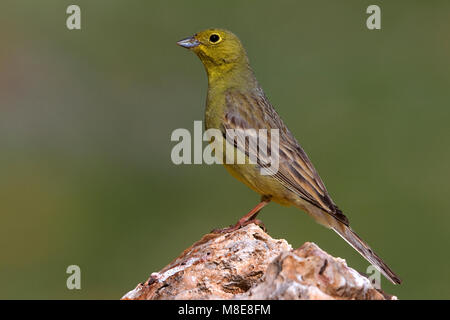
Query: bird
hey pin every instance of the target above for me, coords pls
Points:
(236, 101)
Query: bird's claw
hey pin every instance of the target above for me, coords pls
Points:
(238, 225)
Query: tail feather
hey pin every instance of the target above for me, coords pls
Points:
(363, 248)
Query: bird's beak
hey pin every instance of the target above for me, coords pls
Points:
(188, 43)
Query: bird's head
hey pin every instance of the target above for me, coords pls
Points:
(218, 49)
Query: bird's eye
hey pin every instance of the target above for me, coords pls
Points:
(214, 38)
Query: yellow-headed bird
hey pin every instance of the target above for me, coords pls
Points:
(236, 101)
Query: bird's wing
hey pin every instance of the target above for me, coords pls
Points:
(295, 171)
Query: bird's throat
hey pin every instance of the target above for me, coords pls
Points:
(228, 75)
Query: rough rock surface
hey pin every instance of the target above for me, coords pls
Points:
(249, 264)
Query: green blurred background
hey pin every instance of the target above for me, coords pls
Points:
(86, 117)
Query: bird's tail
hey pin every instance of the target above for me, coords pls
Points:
(363, 248)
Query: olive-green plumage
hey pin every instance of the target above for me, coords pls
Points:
(236, 101)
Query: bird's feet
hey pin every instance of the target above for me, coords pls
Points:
(248, 218)
(239, 225)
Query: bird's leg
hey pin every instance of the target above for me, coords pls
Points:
(248, 218)
(252, 214)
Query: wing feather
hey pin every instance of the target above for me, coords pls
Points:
(295, 172)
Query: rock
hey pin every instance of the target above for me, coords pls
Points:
(249, 264)
(310, 273)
